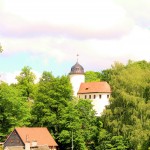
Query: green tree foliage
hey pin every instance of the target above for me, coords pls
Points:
(106, 140)
(13, 110)
(52, 97)
(1, 48)
(125, 124)
(26, 83)
(55, 109)
(106, 75)
(92, 76)
(128, 114)
(78, 119)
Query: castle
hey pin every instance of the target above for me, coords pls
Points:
(98, 92)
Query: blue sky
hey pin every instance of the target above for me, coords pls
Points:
(47, 35)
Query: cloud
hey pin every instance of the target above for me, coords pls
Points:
(76, 19)
(10, 77)
(53, 32)
(138, 10)
(93, 52)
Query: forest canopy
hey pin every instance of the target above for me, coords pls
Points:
(125, 123)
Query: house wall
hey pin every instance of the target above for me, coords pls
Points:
(76, 80)
(53, 148)
(99, 100)
(13, 140)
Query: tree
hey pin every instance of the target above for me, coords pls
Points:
(78, 119)
(13, 110)
(1, 49)
(26, 82)
(52, 97)
(64, 116)
(128, 112)
(92, 76)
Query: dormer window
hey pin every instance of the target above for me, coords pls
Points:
(77, 69)
(86, 88)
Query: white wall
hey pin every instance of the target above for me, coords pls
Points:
(98, 102)
(76, 80)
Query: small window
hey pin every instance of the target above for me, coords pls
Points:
(107, 96)
(85, 96)
(94, 96)
(79, 96)
(11, 141)
(100, 96)
(86, 88)
(18, 141)
(77, 69)
(89, 96)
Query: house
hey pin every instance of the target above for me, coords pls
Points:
(98, 92)
(36, 138)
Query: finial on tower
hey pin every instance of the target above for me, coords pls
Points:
(77, 68)
(77, 57)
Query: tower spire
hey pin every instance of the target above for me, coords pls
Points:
(77, 57)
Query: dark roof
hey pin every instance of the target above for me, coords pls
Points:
(77, 69)
(94, 87)
(40, 134)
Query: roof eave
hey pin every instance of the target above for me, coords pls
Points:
(91, 92)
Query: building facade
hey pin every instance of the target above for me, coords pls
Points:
(37, 138)
(98, 92)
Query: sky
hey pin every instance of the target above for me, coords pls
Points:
(47, 35)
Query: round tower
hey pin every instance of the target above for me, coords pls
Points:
(76, 77)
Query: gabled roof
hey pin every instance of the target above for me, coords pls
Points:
(94, 87)
(39, 134)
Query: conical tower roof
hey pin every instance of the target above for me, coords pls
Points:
(77, 69)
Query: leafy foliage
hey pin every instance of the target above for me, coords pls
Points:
(125, 124)
(26, 82)
(78, 119)
(128, 113)
(13, 110)
(52, 97)
(92, 76)
(1, 48)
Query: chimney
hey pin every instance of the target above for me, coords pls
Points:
(27, 146)
(27, 143)
(34, 143)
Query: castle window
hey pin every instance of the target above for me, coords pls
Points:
(100, 96)
(94, 96)
(89, 96)
(77, 69)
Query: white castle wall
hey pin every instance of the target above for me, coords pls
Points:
(99, 101)
(76, 80)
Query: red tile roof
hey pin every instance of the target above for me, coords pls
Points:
(39, 134)
(94, 87)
